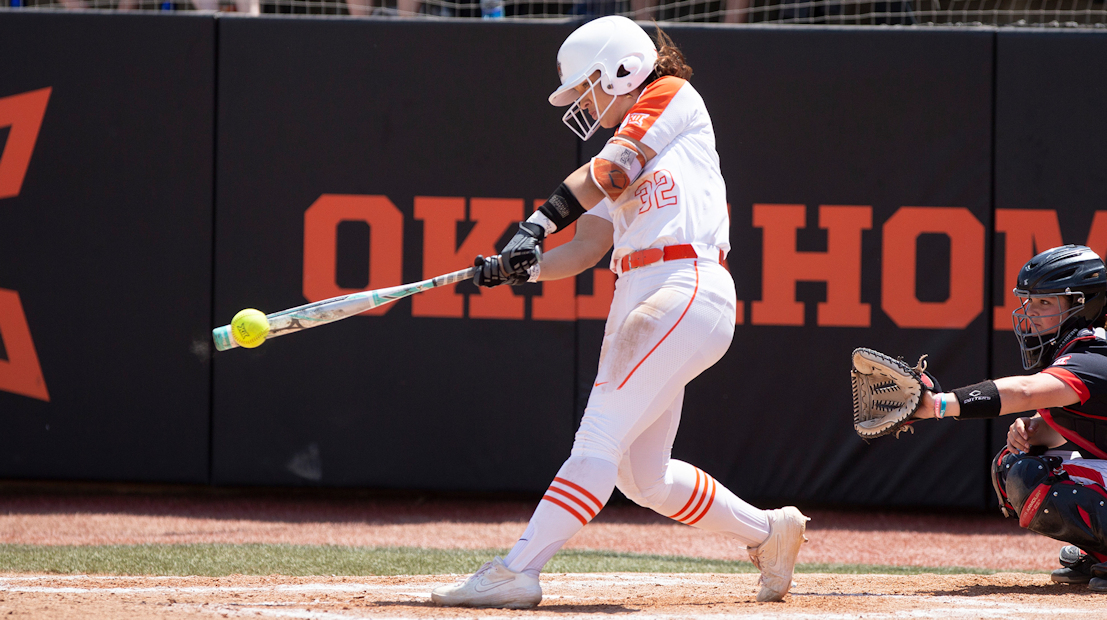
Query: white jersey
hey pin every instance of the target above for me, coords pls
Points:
(680, 196)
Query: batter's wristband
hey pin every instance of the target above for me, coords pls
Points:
(980, 400)
(562, 207)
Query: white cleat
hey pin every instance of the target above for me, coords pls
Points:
(776, 557)
(494, 585)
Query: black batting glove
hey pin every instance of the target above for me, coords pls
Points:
(523, 251)
(492, 273)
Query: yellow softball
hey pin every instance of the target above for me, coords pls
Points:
(249, 328)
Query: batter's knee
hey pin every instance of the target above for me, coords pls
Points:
(591, 440)
(650, 496)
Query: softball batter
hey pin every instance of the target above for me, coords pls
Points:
(655, 194)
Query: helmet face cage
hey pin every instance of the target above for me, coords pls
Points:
(1036, 346)
(1073, 271)
(578, 120)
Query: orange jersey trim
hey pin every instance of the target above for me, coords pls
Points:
(649, 107)
(1070, 380)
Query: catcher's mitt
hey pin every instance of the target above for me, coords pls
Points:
(886, 391)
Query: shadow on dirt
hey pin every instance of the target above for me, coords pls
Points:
(994, 590)
(554, 608)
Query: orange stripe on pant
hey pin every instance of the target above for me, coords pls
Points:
(573, 497)
(554, 500)
(695, 491)
(710, 500)
(699, 496)
(690, 302)
(583, 491)
(576, 500)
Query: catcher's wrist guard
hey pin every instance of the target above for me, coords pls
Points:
(980, 400)
(886, 392)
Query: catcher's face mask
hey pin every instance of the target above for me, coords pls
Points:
(1039, 320)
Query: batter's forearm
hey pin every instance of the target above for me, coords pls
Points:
(592, 240)
(582, 186)
(563, 262)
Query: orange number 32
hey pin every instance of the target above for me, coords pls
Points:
(656, 192)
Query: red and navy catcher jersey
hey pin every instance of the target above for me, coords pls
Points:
(1082, 365)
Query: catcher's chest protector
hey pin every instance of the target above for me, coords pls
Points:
(1085, 362)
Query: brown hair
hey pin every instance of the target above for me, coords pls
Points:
(670, 60)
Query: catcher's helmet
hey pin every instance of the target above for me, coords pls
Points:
(1072, 270)
(616, 47)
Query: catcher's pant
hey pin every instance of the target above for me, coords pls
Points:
(668, 323)
(1057, 494)
(1080, 469)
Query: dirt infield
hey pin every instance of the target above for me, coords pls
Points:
(1007, 595)
(891, 539)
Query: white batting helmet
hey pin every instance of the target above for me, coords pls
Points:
(616, 47)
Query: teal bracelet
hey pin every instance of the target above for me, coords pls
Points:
(942, 408)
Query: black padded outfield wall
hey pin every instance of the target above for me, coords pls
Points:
(105, 246)
(871, 205)
(857, 164)
(1051, 165)
(346, 160)
(357, 154)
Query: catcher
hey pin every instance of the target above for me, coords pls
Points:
(1056, 493)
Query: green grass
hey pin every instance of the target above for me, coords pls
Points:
(257, 559)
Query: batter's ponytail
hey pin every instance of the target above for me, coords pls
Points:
(670, 60)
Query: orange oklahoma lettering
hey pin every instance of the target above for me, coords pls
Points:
(558, 299)
(1097, 234)
(783, 266)
(966, 265)
(739, 305)
(21, 373)
(1027, 232)
(386, 233)
(598, 304)
(442, 254)
(23, 113)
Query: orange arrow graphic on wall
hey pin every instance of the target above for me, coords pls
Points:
(21, 373)
(23, 113)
